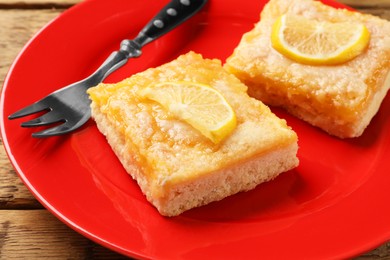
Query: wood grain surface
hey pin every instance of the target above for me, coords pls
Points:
(27, 230)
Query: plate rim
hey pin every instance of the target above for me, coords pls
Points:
(25, 180)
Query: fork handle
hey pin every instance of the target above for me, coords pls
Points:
(113, 62)
(172, 15)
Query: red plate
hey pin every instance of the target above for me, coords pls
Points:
(334, 205)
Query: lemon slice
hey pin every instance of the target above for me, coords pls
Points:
(201, 106)
(318, 42)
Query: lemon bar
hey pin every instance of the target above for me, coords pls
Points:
(342, 98)
(176, 166)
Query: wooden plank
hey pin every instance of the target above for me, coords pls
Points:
(36, 234)
(380, 12)
(379, 8)
(367, 3)
(17, 27)
(36, 4)
(13, 193)
(385, 14)
(68, 2)
(15, 32)
(380, 253)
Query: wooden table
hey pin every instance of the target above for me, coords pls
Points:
(27, 230)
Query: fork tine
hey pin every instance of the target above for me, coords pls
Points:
(46, 119)
(28, 110)
(57, 130)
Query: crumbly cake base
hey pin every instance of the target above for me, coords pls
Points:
(211, 187)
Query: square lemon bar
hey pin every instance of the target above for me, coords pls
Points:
(176, 166)
(338, 98)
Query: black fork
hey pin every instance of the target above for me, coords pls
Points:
(69, 107)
